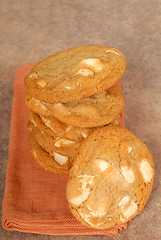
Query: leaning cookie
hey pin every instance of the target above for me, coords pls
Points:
(111, 179)
(97, 110)
(57, 163)
(75, 74)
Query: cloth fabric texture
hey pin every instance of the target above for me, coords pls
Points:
(34, 199)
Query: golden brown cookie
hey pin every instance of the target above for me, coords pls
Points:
(57, 163)
(57, 129)
(74, 74)
(97, 110)
(111, 179)
(53, 145)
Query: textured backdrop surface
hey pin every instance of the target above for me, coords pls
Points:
(31, 30)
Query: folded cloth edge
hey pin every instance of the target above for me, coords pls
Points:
(22, 225)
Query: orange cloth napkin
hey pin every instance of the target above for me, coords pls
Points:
(34, 199)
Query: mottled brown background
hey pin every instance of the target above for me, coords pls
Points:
(31, 30)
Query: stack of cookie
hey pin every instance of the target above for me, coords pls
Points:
(75, 107)
(71, 94)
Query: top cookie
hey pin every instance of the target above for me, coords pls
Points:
(97, 110)
(111, 179)
(75, 73)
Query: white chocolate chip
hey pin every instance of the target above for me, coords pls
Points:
(61, 142)
(45, 120)
(129, 149)
(32, 120)
(146, 171)
(35, 154)
(47, 123)
(123, 219)
(85, 72)
(86, 179)
(109, 218)
(37, 103)
(61, 108)
(124, 201)
(84, 134)
(129, 211)
(60, 158)
(42, 83)
(95, 63)
(68, 128)
(113, 52)
(86, 218)
(128, 174)
(81, 198)
(102, 164)
(79, 84)
(98, 213)
(67, 87)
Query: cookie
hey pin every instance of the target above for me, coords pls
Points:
(57, 129)
(111, 179)
(97, 110)
(53, 145)
(75, 74)
(57, 164)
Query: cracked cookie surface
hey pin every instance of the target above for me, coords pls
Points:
(111, 179)
(99, 109)
(75, 73)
